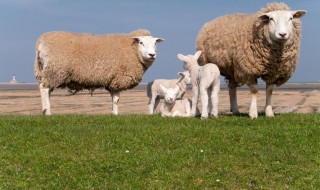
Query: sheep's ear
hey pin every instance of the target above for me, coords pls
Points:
(298, 14)
(164, 89)
(197, 54)
(264, 18)
(158, 40)
(135, 39)
(182, 75)
(176, 89)
(182, 57)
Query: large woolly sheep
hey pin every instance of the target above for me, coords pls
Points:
(155, 93)
(172, 107)
(250, 46)
(116, 62)
(204, 80)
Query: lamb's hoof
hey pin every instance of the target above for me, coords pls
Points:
(214, 116)
(203, 117)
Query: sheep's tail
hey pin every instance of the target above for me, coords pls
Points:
(38, 65)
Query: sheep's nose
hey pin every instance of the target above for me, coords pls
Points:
(283, 34)
(152, 54)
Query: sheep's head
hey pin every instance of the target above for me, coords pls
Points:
(170, 94)
(147, 47)
(280, 23)
(189, 60)
(185, 76)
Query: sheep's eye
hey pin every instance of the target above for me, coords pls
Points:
(271, 19)
(290, 18)
(141, 43)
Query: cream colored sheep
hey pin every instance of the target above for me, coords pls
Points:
(116, 62)
(155, 93)
(246, 47)
(172, 107)
(204, 80)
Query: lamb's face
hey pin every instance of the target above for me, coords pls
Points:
(147, 47)
(170, 94)
(280, 23)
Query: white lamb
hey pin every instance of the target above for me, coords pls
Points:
(173, 107)
(205, 79)
(155, 93)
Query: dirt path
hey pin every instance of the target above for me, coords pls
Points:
(27, 102)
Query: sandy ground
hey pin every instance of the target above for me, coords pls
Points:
(28, 102)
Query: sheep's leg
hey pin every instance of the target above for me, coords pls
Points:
(253, 112)
(45, 99)
(152, 105)
(187, 106)
(268, 109)
(233, 100)
(195, 97)
(115, 99)
(215, 98)
(156, 103)
(204, 101)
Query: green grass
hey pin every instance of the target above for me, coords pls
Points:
(151, 152)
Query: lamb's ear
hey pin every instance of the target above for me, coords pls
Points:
(135, 39)
(182, 57)
(298, 13)
(197, 54)
(158, 40)
(164, 89)
(176, 89)
(182, 75)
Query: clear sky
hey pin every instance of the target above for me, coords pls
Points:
(178, 21)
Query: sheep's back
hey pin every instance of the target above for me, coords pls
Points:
(221, 38)
(109, 61)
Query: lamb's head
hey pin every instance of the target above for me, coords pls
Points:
(189, 60)
(147, 48)
(280, 23)
(185, 77)
(170, 94)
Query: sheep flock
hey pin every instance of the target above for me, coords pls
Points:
(241, 47)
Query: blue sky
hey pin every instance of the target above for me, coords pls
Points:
(179, 21)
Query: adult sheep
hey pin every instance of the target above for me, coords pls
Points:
(246, 47)
(116, 62)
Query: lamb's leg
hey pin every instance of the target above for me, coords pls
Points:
(204, 101)
(151, 104)
(156, 103)
(268, 109)
(45, 99)
(195, 97)
(215, 98)
(115, 99)
(233, 100)
(253, 112)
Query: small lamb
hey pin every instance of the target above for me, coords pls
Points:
(204, 79)
(155, 93)
(173, 107)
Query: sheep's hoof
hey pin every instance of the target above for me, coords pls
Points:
(204, 117)
(269, 112)
(253, 116)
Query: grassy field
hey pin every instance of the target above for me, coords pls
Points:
(150, 152)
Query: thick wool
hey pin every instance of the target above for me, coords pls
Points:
(110, 61)
(241, 47)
